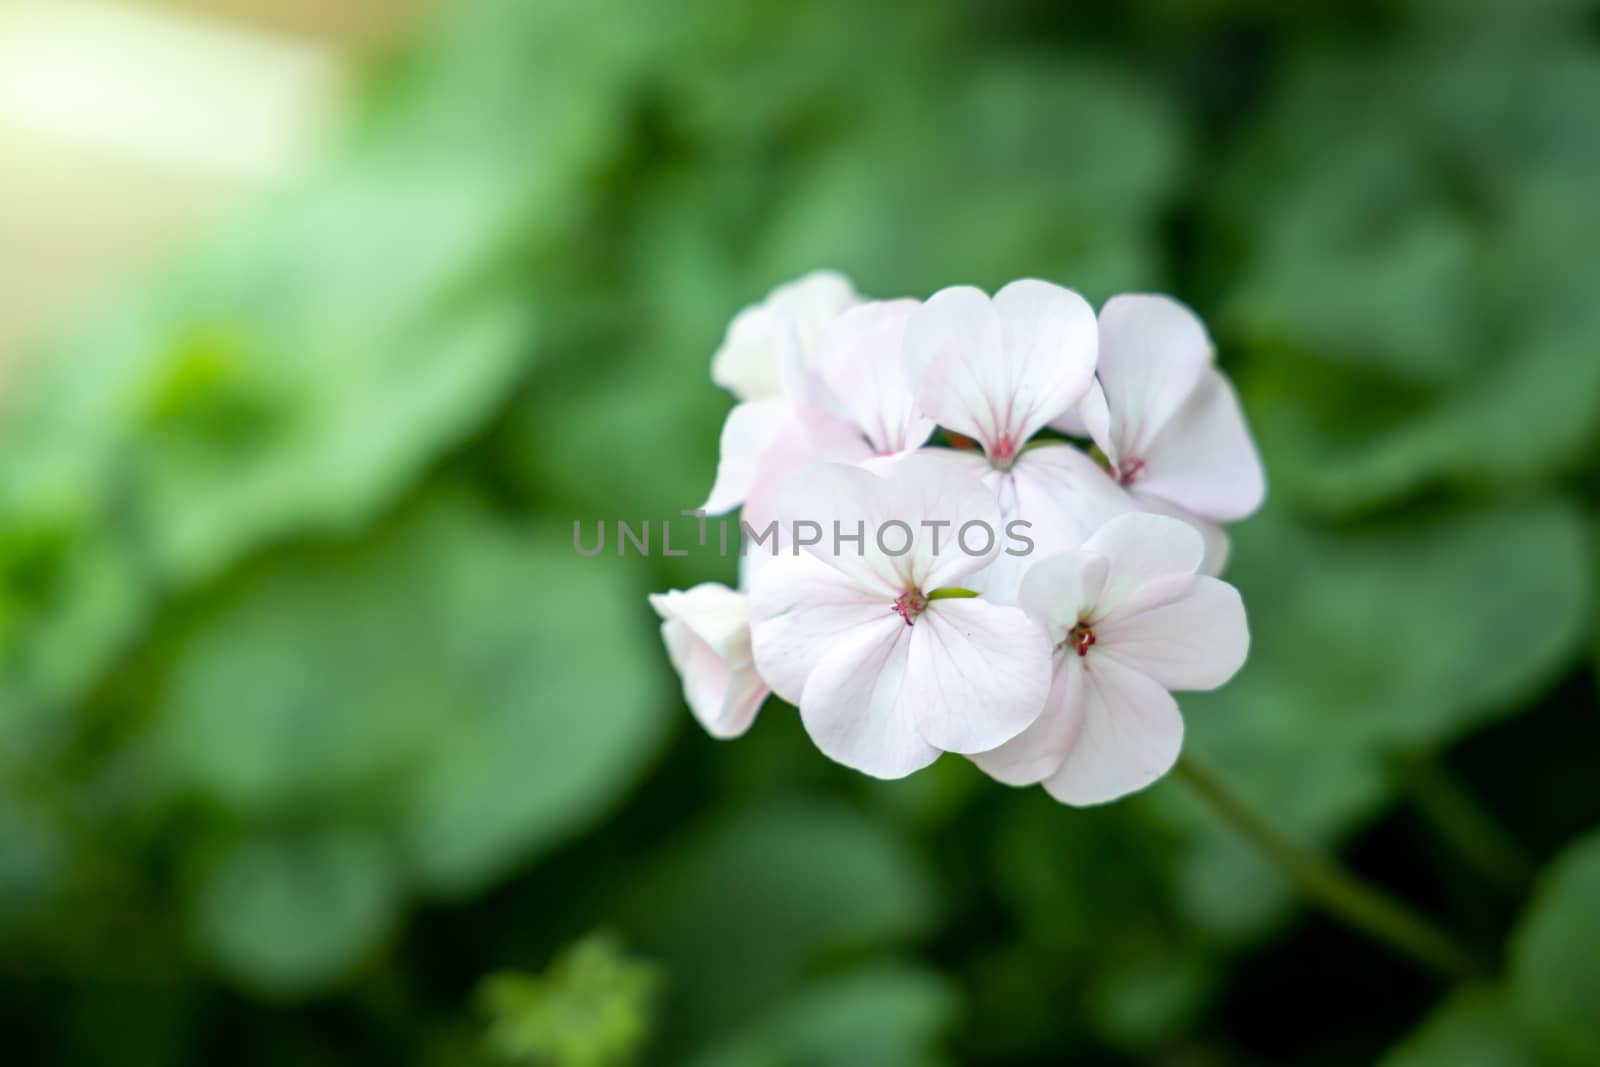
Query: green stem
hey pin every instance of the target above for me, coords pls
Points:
(951, 592)
(1357, 904)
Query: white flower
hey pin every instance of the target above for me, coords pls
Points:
(886, 671)
(1167, 420)
(845, 401)
(766, 362)
(764, 443)
(1130, 619)
(998, 371)
(769, 343)
(707, 633)
(895, 635)
(862, 376)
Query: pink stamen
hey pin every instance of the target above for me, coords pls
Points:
(1005, 451)
(1130, 471)
(910, 604)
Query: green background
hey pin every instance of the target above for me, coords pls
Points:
(313, 720)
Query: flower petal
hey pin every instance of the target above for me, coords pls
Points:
(920, 501)
(1038, 752)
(1204, 460)
(1153, 351)
(769, 344)
(832, 502)
(707, 633)
(1131, 736)
(723, 698)
(803, 437)
(799, 606)
(933, 487)
(1196, 639)
(1143, 548)
(978, 674)
(1059, 589)
(1050, 351)
(1094, 413)
(1063, 497)
(860, 360)
(747, 433)
(811, 303)
(1218, 547)
(717, 615)
(854, 706)
(1061, 482)
(997, 580)
(1071, 421)
(746, 364)
(704, 674)
(998, 370)
(953, 345)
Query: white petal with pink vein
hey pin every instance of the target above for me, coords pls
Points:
(1129, 618)
(886, 673)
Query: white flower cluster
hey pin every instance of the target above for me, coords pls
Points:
(1052, 665)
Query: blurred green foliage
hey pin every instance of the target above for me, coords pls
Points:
(1543, 1013)
(592, 1009)
(312, 718)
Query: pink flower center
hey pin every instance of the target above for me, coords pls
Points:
(1129, 471)
(1081, 638)
(910, 604)
(1004, 453)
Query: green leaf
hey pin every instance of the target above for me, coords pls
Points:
(1525, 420)
(326, 451)
(1473, 1029)
(288, 916)
(1555, 957)
(984, 178)
(745, 906)
(1068, 877)
(1529, 416)
(1367, 644)
(1440, 259)
(299, 368)
(1548, 1012)
(1366, 259)
(566, 441)
(888, 1015)
(733, 96)
(70, 595)
(294, 372)
(472, 683)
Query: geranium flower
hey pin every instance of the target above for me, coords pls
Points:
(845, 400)
(888, 660)
(769, 342)
(998, 371)
(1168, 422)
(1130, 619)
(861, 376)
(707, 633)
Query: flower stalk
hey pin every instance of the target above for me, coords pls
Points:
(1356, 903)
